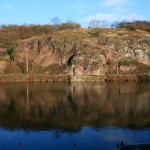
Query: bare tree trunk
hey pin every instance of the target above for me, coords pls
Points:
(117, 50)
(117, 68)
(117, 62)
(27, 98)
(27, 63)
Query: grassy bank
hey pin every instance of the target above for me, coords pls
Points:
(69, 78)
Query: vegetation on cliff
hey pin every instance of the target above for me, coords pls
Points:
(68, 49)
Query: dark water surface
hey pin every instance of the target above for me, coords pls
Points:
(59, 116)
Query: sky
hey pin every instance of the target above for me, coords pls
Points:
(82, 11)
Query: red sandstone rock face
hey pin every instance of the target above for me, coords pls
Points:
(3, 65)
(127, 68)
(88, 56)
(3, 60)
(88, 63)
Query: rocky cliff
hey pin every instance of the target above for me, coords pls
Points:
(81, 52)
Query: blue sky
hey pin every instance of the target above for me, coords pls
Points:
(81, 11)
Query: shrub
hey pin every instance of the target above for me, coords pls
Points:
(12, 33)
(128, 62)
(11, 54)
(69, 25)
(142, 25)
(95, 32)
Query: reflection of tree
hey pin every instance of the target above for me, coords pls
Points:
(28, 101)
(72, 106)
(12, 106)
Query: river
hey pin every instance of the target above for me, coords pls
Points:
(77, 116)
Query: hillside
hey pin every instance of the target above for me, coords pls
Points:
(79, 52)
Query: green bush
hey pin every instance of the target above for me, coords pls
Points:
(11, 54)
(128, 62)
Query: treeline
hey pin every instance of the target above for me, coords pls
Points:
(134, 25)
(130, 25)
(9, 34)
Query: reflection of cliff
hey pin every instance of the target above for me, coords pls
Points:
(40, 106)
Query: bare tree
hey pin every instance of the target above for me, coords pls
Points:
(104, 24)
(56, 23)
(114, 24)
(56, 20)
(98, 24)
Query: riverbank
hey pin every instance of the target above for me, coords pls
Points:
(75, 78)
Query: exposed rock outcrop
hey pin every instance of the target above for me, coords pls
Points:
(88, 63)
(80, 52)
(3, 65)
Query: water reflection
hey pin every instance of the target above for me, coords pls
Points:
(70, 107)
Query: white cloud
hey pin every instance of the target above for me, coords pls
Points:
(113, 17)
(114, 2)
(100, 16)
(132, 16)
(120, 10)
(117, 6)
